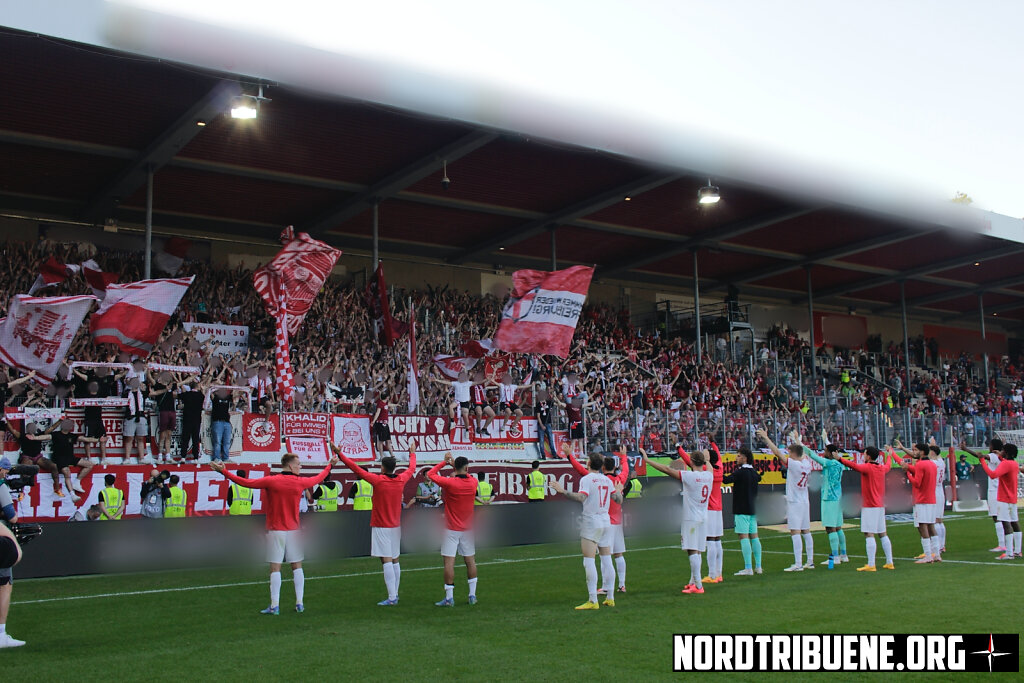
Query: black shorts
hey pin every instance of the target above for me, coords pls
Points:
(8, 556)
(509, 406)
(94, 429)
(576, 431)
(464, 404)
(381, 431)
(62, 462)
(258, 403)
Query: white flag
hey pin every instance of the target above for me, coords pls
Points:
(38, 331)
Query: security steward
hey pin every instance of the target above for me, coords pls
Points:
(112, 499)
(361, 493)
(327, 495)
(536, 484)
(175, 506)
(484, 490)
(239, 497)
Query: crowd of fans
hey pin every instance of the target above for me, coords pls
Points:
(638, 389)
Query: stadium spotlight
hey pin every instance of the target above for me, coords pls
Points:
(247, 106)
(628, 198)
(708, 194)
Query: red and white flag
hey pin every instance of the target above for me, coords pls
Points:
(133, 315)
(451, 366)
(52, 272)
(542, 310)
(385, 327)
(38, 331)
(477, 348)
(296, 275)
(282, 358)
(97, 280)
(413, 369)
(172, 255)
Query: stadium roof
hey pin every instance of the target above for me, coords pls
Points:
(81, 125)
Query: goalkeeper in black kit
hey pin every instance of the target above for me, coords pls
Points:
(745, 480)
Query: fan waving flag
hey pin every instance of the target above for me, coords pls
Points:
(296, 275)
(133, 315)
(385, 327)
(170, 258)
(451, 366)
(282, 358)
(52, 272)
(413, 368)
(38, 331)
(97, 280)
(542, 311)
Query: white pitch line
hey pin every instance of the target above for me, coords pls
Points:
(1005, 563)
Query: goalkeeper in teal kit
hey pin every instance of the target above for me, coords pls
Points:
(832, 500)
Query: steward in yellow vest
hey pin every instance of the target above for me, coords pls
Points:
(636, 488)
(113, 499)
(484, 490)
(239, 497)
(362, 495)
(328, 493)
(536, 487)
(175, 505)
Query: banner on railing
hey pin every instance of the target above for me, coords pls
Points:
(227, 339)
(260, 433)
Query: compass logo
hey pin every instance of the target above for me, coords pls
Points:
(991, 653)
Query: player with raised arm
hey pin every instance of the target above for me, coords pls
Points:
(941, 468)
(385, 515)
(994, 448)
(616, 538)
(744, 481)
(713, 526)
(798, 504)
(284, 491)
(596, 492)
(921, 473)
(872, 513)
(697, 484)
(458, 493)
(831, 499)
(1007, 474)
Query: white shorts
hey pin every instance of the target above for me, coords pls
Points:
(385, 541)
(993, 503)
(924, 513)
(713, 524)
(284, 546)
(693, 536)
(1006, 512)
(872, 520)
(597, 534)
(940, 504)
(798, 516)
(618, 541)
(458, 541)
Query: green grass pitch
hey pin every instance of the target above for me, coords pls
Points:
(204, 625)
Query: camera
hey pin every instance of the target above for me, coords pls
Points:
(445, 183)
(20, 476)
(25, 532)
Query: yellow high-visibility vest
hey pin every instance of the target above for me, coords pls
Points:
(175, 505)
(241, 500)
(636, 489)
(112, 498)
(535, 485)
(328, 499)
(363, 500)
(485, 491)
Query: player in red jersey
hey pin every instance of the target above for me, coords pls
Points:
(1007, 473)
(618, 539)
(459, 494)
(872, 513)
(284, 492)
(386, 516)
(921, 473)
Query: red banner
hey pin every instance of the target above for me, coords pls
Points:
(306, 424)
(260, 433)
(543, 308)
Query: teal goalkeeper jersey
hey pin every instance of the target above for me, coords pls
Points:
(831, 477)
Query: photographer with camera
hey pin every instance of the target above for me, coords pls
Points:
(155, 494)
(10, 554)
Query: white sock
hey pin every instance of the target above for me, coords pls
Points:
(472, 587)
(3, 629)
(721, 556)
(871, 548)
(695, 570)
(1016, 541)
(449, 591)
(620, 566)
(389, 579)
(809, 546)
(1000, 534)
(299, 578)
(275, 588)
(936, 546)
(941, 529)
(398, 576)
(1009, 541)
(797, 549)
(926, 547)
(711, 558)
(608, 576)
(590, 569)
(887, 549)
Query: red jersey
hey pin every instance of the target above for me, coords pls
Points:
(283, 494)
(382, 417)
(388, 492)
(1006, 472)
(573, 414)
(872, 481)
(459, 494)
(922, 481)
(479, 394)
(614, 509)
(717, 472)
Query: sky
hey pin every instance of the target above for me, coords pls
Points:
(922, 95)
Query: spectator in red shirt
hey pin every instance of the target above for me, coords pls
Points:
(459, 495)
(284, 491)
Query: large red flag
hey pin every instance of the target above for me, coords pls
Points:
(52, 272)
(282, 359)
(413, 369)
(133, 315)
(542, 310)
(296, 275)
(385, 327)
(451, 366)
